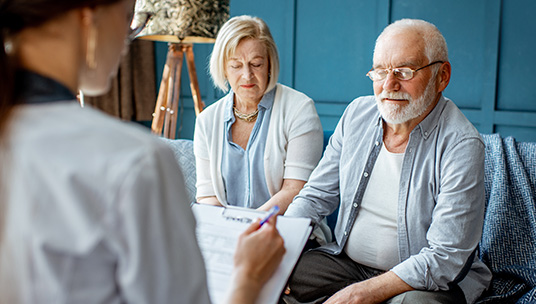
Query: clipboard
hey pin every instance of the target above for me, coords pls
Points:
(217, 231)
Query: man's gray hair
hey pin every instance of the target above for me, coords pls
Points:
(435, 46)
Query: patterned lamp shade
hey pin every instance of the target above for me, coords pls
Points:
(183, 21)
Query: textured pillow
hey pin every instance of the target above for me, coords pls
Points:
(184, 154)
(508, 244)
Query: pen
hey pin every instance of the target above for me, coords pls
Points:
(271, 213)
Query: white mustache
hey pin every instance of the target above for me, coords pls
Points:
(395, 95)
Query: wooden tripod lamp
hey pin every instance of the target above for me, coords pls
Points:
(181, 23)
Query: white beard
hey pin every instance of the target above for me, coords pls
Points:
(397, 114)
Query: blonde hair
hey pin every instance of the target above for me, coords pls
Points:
(230, 35)
(435, 46)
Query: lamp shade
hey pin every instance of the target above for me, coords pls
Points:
(182, 20)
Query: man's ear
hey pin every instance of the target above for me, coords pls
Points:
(443, 76)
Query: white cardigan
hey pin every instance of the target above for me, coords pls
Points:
(293, 144)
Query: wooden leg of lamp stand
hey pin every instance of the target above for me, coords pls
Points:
(199, 105)
(161, 101)
(165, 112)
(174, 86)
(166, 109)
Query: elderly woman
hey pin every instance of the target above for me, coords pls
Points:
(257, 146)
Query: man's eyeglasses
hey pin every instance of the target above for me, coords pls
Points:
(399, 73)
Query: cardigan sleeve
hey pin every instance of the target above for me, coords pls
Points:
(305, 142)
(204, 184)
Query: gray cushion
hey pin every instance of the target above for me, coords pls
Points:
(508, 244)
(184, 154)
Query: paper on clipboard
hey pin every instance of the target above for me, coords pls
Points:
(218, 229)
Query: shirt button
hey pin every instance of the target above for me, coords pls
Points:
(425, 133)
(377, 143)
(365, 174)
(355, 205)
(346, 233)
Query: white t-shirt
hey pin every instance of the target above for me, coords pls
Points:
(373, 238)
(97, 213)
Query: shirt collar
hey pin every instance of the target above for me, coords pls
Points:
(430, 122)
(32, 88)
(266, 103)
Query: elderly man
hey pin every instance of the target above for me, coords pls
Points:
(407, 169)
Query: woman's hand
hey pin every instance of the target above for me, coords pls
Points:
(258, 254)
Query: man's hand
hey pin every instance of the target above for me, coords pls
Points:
(354, 293)
(374, 290)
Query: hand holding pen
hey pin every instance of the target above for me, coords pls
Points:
(273, 211)
(259, 252)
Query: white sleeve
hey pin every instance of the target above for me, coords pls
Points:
(159, 259)
(204, 183)
(305, 143)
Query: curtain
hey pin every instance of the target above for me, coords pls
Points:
(133, 92)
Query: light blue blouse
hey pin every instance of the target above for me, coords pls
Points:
(243, 170)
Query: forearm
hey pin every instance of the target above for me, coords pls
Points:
(385, 286)
(375, 290)
(284, 197)
(243, 291)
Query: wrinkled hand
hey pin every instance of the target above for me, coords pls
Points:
(351, 294)
(374, 290)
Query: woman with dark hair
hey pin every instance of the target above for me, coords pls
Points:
(91, 208)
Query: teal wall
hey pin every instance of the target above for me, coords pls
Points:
(326, 49)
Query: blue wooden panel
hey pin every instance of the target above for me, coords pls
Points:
(326, 49)
(330, 113)
(187, 116)
(467, 48)
(279, 15)
(519, 133)
(517, 65)
(334, 45)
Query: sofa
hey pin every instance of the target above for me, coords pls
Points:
(508, 244)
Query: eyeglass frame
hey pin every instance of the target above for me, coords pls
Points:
(393, 70)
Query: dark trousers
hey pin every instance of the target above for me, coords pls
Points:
(319, 275)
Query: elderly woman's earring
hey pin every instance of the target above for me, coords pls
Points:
(91, 60)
